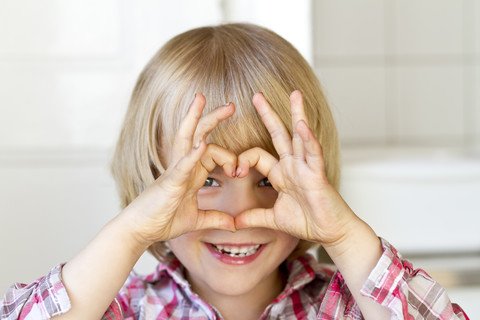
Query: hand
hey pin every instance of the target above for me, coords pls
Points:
(307, 207)
(168, 208)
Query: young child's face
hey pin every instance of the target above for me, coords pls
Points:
(225, 263)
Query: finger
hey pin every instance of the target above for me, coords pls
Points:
(210, 121)
(280, 136)
(256, 218)
(212, 219)
(261, 160)
(297, 107)
(257, 158)
(218, 156)
(182, 171)
(298, 114)
(313, 149)
(298, 148)
(184, 136)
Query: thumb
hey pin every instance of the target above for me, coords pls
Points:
(256, 218)
(212, 219)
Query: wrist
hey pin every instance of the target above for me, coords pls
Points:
(356, 239)
(355, 257)
(132, 232)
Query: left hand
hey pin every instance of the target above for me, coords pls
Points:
(307, 207)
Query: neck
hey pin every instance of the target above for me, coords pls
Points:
(248, 305)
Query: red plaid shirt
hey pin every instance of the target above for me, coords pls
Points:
(313, 291)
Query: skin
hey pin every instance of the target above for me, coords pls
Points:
(175, 209)
(231, 288)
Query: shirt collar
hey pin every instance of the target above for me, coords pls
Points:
(301, 271)
(171, 267)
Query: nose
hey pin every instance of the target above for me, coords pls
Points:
(240, 196)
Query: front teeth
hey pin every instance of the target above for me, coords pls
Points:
(237, 252)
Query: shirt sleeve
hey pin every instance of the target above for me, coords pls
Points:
(409, 293)
(121, 307)
(41, 299)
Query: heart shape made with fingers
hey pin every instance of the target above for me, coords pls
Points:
(236, 168)
(301, 207)
(239, 167)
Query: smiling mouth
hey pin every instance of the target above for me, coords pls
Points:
(236, 251)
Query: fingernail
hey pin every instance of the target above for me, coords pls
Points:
(197, 145)
(238, 172)
(227, 105)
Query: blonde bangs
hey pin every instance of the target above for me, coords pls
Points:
(230, 64)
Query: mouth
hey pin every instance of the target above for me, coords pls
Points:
(236, 251)
(235, 254)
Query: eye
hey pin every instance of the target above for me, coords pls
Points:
(210, 182)
(265, 183)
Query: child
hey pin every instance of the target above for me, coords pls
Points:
(229, 197)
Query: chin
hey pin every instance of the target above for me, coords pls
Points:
(235, 284)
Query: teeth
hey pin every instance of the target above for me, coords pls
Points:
(238, 252)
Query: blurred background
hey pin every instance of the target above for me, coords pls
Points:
(402, 77)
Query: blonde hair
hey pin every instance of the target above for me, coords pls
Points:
(226, 63)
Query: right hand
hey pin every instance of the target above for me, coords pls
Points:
(168, 207)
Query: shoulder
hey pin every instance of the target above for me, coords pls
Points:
(167, 275)
(306, 266)
(307, 283)
(152, 293)
(309, 277)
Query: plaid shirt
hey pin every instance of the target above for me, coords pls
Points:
(313, 291)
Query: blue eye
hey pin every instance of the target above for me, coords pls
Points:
(265, 183)
(210, 182)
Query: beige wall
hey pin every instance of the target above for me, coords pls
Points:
(401, 71)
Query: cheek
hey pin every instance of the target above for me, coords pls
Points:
(267, 196)
(208, 199)
(286, 243)
(184, 245)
